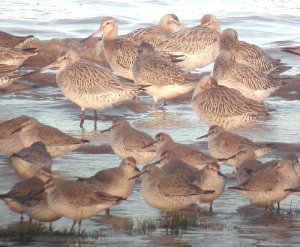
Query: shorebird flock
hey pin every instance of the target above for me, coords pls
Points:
(157, 61)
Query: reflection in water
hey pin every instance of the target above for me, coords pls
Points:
(261, 226)
(159, 119)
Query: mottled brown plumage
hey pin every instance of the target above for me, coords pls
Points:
(156, 34)
(199, 44)
(90, 85)
(219, 105)
(167, 80)
(120, 53)
(249, 54)
(252, 83)
(13, 57)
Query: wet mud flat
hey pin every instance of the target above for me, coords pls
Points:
(234, 222)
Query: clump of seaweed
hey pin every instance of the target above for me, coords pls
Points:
(145, 226)
(27, 232)
(179, 223)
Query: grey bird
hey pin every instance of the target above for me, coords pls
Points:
(29, 160)
(115, 181)
(223, 143)
(127, 141)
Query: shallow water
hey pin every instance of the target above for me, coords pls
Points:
(269, 24)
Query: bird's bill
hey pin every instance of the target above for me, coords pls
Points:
(204, 136)
(155, 162)
(47, 185)
(221, 174)
(150, 144)
(99, 30)
(54, 65)
(230, 157)
(105, 130)
(137, 169)
(30, 73)
(180, 26)
(137, 175)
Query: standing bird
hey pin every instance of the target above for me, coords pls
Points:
(249, 54)
(223, 143)
(167, 80)
(89, 85)
(168, 192)
(269, 185)
(76, 200)
(199, 45)
(164, 142)
(23, 131)
(26, 194)
(250, 165)
(115, 181)
(156, 34)
(120, 52)
(208, 178)
(223, 106)
(127, 141)
(251, 83)
(29, 160)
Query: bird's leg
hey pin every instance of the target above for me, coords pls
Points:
(74, 223)
(278, 207)
(50, 227)
(22, 218)
(79, 226)
(269, 209)
(107, 212)
(82, 117)
(95, 120)
(210, 206)
(234, 171)
(38, 224)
